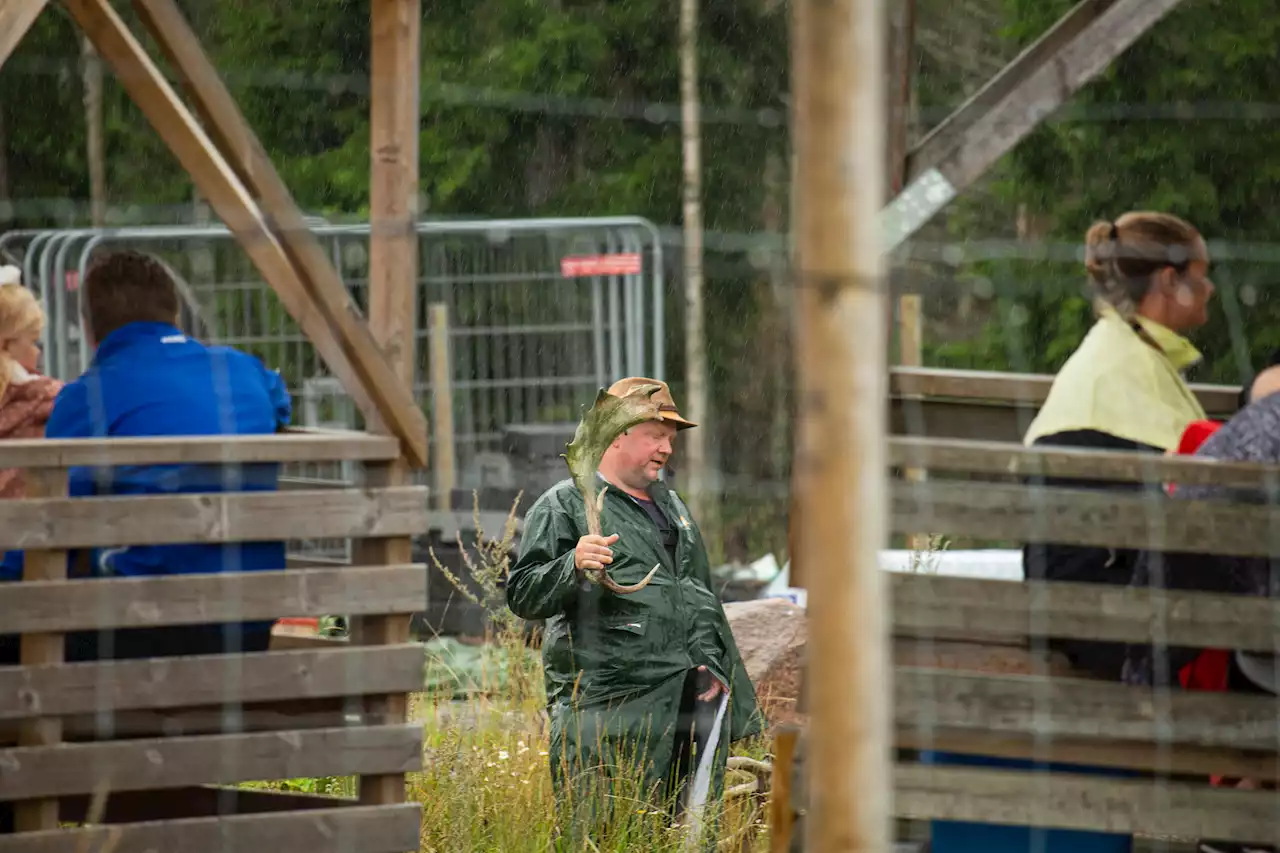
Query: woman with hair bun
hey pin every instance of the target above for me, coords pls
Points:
(26, 397)
(1122, 389)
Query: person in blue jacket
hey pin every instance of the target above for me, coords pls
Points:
(148, 378)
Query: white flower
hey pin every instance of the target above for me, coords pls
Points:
(503, 755)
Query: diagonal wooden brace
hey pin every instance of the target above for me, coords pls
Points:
(270, 227)
(1017, 100)
(16, 18)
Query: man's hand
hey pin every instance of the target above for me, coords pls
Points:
(592, 552)
(714, 690)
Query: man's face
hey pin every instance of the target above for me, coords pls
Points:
(642, 451)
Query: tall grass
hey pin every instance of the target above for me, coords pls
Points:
(486, 785)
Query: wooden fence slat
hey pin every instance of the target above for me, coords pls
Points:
(1084, 802)
(1018, 513)
(927, 605)
(214, 517)
(1029, 388)
(291, 446)
(349, 829)
(85, 688)
(134, 765)
(1153, 757)
(986, 457)
(197, 599)
(1082, 708)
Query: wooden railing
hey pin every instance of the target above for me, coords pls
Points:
(968, 678)
(135, 745)
(989, 406)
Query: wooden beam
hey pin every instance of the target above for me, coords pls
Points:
(1015, 513)
(134, 765)
(395, 71)
(80, 605)
(838, 49)
(346, 829)
(202, 449)
(84, 688)
(935, 606)
(1015, 460)
(1075, 801)
(119, 522)
(1061, 69)
(951, 131)
(16, 18)
(1081, 708)
(348, 352)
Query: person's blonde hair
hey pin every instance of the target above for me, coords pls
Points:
(20, 315)
(1122, 256)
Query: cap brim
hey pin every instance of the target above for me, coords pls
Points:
(674, 418)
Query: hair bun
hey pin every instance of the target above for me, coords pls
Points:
(10, 275)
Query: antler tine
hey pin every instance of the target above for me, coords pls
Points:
(613, 586)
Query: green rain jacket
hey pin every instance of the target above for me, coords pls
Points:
(615, 665)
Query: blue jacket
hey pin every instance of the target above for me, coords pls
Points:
(149, 379)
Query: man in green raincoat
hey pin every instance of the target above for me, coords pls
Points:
(644, 689)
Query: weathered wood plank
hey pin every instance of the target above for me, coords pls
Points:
(349, 829)
(1083, 802)
(193, 801)
(343, 345)
(136, 765)
(297, 446)
(925, 605)
(236, 141)
(199, 599)
(949, 133)
(1017, 513)
(213, 517)
(1027, 388)
(1126, 755)
(983, 457)
(1034, 98)
(16, 18)
(207, 680)
(1081, 708)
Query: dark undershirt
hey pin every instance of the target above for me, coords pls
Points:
(666, 530)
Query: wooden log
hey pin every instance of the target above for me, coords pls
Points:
(213, 517)
(1063, 801)
(135, 765)
(1016, 513)
(293, 446)
(352, 829)
(61, 606)
(837, 50)
(926, 606)
(207, 680)
(1015, 460)
(16, 18)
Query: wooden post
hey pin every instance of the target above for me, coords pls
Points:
(445, 468)
(695, 441)
(838, 51)
(393, 290)
(42, 649)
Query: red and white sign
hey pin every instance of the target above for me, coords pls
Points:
(584, 265)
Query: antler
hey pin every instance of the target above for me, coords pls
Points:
(608, 418)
